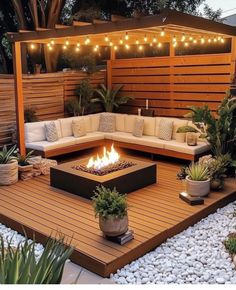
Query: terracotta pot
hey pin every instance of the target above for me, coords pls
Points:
(25, 172)
(9, 173)
(112, 226)
(197, 188)
(217, 184)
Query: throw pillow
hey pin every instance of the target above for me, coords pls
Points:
(79, 128)
(165, 129)
(138, 127)
(51, 132)
(107, 123)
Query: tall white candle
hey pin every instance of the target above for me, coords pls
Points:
(146, 104)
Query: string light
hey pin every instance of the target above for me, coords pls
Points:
(215, 39)
(115, 47)
(64, 47)
(106, 38)
(111, 43)
(190, 38)
(140, 47)
(32, 46)
(154, 39)
(67, 42)
(175, 44)
(186, 44)
(209, 40)
(145, 38)
(219, 38)
(183, 37)
(50, 48)
(52, 42)
(121, 41)
(195, 41)
(137, 41)
(202, 40)
(78, 44)
(150, 44)
(126, 36)
(174, 39)
(87, 40)
(163, 32)
(159, 45)
(77, 49)
(95, 49)
(222, 40)
(48, 44)
(127, 46)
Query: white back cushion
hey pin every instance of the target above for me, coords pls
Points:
(35, 132)
(129, 123)
(66, 126)
(95, 118)
(58, 126)
(149, 126)
(120, 122)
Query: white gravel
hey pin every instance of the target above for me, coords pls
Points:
(15, 238)
(197, 255)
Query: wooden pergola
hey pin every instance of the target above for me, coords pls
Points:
(168, 26)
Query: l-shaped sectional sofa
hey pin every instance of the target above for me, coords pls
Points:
(35, 137)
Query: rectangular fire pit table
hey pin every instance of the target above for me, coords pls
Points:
(126, 180)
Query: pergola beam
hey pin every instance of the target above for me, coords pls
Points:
(19, 98)
(167, 17)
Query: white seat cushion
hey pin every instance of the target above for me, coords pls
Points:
(184, 148)
(89, 137)
(45, 145)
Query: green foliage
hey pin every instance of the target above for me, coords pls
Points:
(72, 107)
(84, 93)
(197, 171)
(23, 160)
(107, 202)
(186, 129)
(220, 130)
(110, 98)
(30, 115)
(7, 156)
(20, 266)
(230, 244)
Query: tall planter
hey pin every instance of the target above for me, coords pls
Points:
(9, 173)
(197, 188)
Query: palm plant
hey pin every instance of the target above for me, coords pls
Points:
(110, 98)
(7, 156)
(19, 265)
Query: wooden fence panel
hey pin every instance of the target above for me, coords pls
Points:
(173, 83)
(46, 93)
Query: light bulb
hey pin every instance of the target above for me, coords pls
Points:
(145, 38)
(48, 44)
(202, 40)
(111, 43)
(106, 38)
(121, 41)
(209, 40)
(50, 48)
(159, 45)
(32, 46)
(140, 47)
(186, 44)
(88, 39)
(175, 44)
(95, 49)
(219, 38)
(183, 37)
(174, 39)
(215, 39)
(64, 47)
(52, 42)
(190, 38)
(67, 42)
(78, 44)
(115, 47)
(162, 32)
(150, 44)
(137, 41)
(127, 46)
(195, 41)
(126, 36)
(154, 39)
(77, 49)
(222, 40)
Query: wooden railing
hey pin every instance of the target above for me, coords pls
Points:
(46, 93)
(173, 83)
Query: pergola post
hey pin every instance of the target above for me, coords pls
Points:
(19, 98)
(171, 55)
(109, 67)
(233, 56)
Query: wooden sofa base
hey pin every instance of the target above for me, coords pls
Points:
(106, 142)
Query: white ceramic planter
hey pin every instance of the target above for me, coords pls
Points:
(197, 188)
(113, 227)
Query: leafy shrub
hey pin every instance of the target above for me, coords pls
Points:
(72, 107)
(186, 129)
(20, 266)
(107, 202)
(197, 171)
(7, 156)
(230, 244)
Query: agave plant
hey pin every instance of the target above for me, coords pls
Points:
(19, 265)
(110, 98)
(7, 156)
(23, 160)
(198, 172)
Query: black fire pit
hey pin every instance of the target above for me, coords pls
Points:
(136, 176)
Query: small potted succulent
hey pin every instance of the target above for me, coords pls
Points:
(8, 166)
(25, 169)
(197, 180)
(111, 208)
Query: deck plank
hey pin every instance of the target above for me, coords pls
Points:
(155, 214)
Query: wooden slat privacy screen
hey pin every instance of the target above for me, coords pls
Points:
(45, 92)
(173, 83)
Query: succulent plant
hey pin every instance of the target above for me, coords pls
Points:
(24, 160)
(197, 172)
(6, 155)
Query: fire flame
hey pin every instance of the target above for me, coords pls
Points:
(109, 157)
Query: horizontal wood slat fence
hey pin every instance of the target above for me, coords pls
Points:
(45, 92)
(173, 83)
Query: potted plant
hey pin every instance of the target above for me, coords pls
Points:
(111, 208)
(25, 169)
(217, 167)
(197, 180)
(8, 166)
(110, 98)
(190, 133)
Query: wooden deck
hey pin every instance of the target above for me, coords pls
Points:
(155, 214)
